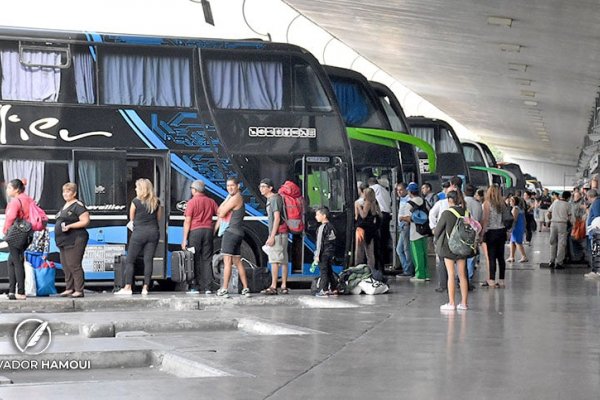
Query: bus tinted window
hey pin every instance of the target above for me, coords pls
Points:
(425, 133)
(309, 94)
(447, 143)
(355, 105)
(473, 155)
(395, 121)
(136, 78)
(101, 183)
(47, 73)
(246, 85)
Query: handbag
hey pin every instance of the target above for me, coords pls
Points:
(578, 231)
(507, 218)
(19, 233)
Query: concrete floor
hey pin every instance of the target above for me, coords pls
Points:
(537, 339)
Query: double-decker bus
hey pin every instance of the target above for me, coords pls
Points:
(103, 110)
(483, 167)
(377, 149)
(449, 152)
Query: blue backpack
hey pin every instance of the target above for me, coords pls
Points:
(420, 218)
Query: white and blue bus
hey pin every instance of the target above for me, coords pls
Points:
(103, 110)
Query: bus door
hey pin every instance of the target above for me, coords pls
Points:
(102, 188)
(324, 184)
(153, 165)
(394, 223)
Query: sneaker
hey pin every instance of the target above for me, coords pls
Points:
(462, 307)
(124, 292)
(322, 294)
(559, 266)
(592, 275)
(193, 291)
(427, 279)
(415, 279)
(447, 307)
(223, 292)
(144, 292)
(208, 292)
(440, 289)
(510, 260)
(246, 292)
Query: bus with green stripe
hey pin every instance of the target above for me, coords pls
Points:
(377, 150)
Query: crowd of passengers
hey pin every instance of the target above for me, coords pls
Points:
(572, 218)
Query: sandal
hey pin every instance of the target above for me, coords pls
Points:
(66, 293)
(510, 260)
(524, 260)
(284, 290)
(271, 291)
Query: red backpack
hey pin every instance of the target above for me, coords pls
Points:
(37, 217)
(293, 203)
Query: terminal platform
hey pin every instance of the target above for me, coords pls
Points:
(538, 338)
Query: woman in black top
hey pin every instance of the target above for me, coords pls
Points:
(71, 239)
(443, 229)
(144, 212)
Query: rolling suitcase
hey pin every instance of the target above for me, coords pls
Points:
(119, 270)
(182, 266)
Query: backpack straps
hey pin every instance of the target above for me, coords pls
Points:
(456, 214)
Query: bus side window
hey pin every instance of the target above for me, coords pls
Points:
(309, 94)
(139, 77)
(34, 72)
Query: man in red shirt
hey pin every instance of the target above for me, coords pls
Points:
(198, 233)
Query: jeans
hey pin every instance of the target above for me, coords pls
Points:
(143, 241)
(471, 267)
(403, 250)
(495, 239)
(16, 270)
(202, 241)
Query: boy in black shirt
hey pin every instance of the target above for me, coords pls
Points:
(325, 251)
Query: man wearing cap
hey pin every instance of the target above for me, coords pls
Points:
(198, 233)
(277, 242)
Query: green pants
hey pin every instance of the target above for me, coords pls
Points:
(418, 249)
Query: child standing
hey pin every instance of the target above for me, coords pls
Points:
(325, 251)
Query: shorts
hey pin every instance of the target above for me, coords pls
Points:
(278, 253)
(231, 244)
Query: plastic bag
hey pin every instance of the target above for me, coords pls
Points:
(44, 279)
(30, 286)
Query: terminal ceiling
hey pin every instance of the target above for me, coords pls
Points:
(521, 75)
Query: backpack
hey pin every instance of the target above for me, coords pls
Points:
(37, 217)
(420, 218)
(293, 206)
(462, 241)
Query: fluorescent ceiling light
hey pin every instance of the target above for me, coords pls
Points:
(530, 103)
(545, 139)
(538, 123)
(594, 137)
(523, 82)
(510, 48)
(517, 67)
(528, 93)
(501, 21)
(534, 111)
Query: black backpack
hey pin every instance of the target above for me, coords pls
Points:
(423, 212)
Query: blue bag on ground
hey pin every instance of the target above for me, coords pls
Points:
(44, 279)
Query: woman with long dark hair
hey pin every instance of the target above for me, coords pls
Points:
(17, 208)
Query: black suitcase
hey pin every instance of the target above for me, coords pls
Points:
(119, 269)
(182, 266)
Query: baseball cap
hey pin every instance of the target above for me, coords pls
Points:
(267, 181)
(412, 187)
